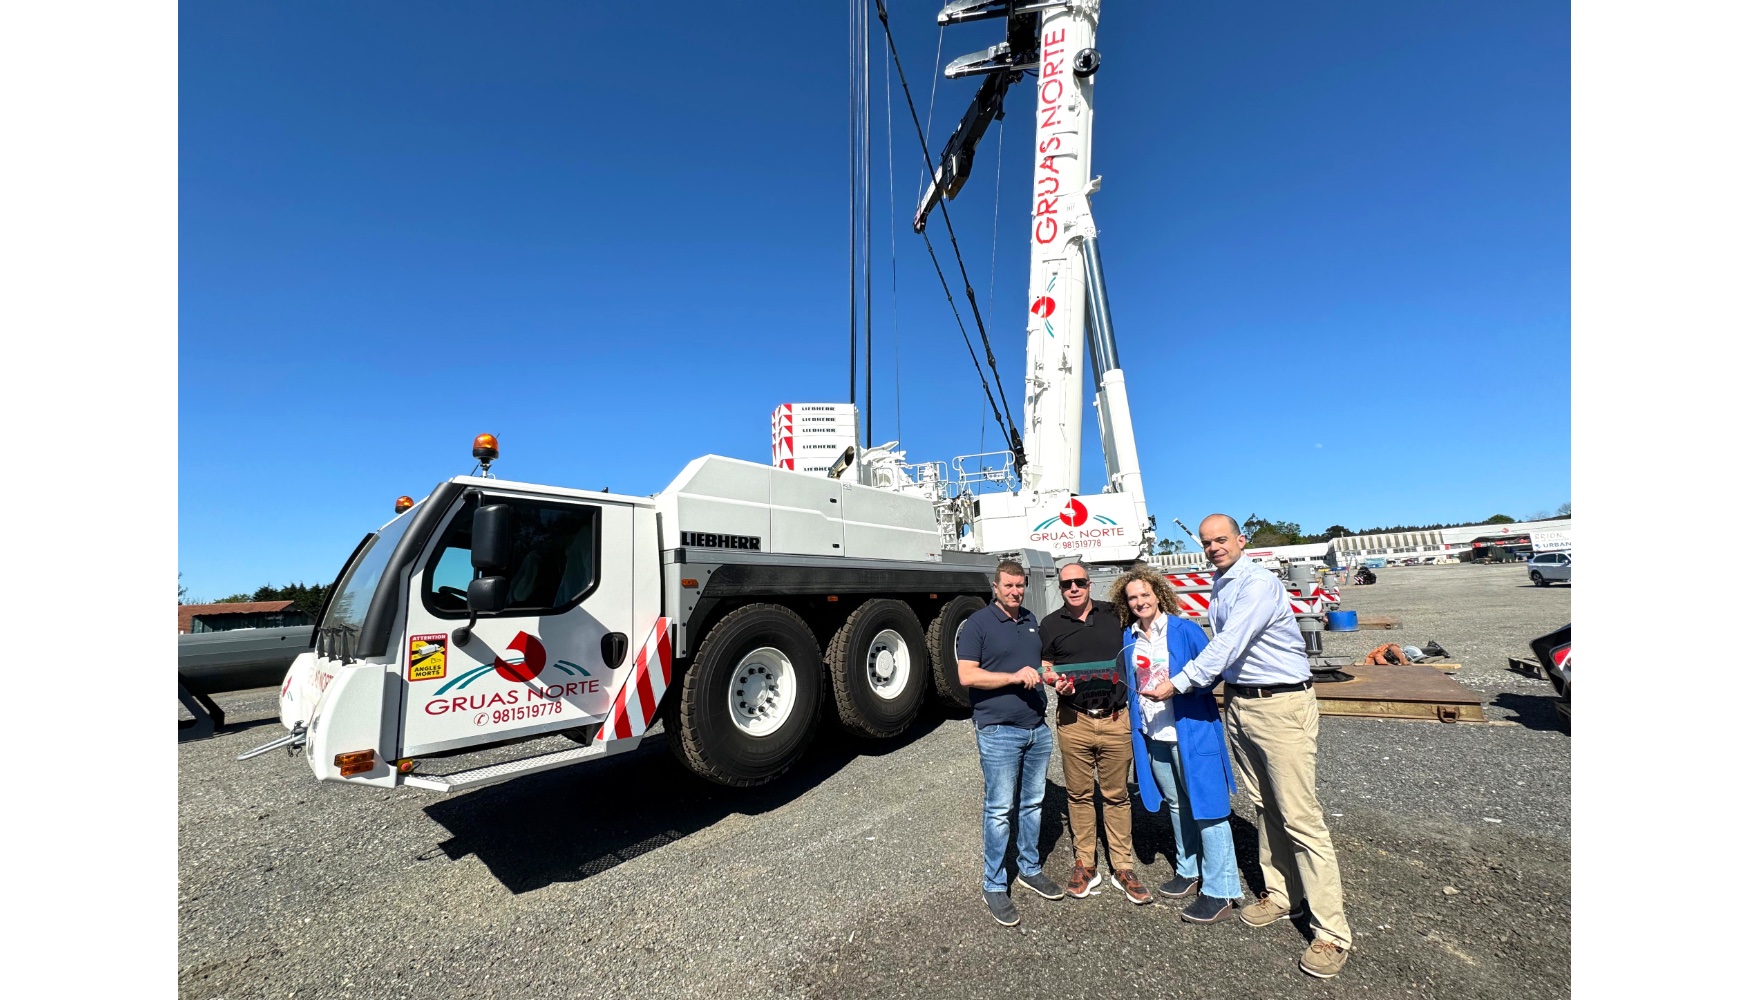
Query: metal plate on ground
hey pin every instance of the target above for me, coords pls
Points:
(1525, 665)
(1396, 692)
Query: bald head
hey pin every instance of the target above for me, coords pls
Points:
(1220, 521)
(1222, 541)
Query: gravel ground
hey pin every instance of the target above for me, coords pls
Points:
(857, 874)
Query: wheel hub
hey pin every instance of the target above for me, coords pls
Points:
(762, 691)
(888, 664)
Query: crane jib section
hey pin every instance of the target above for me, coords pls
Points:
(1056, 286)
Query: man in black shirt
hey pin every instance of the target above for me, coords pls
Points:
(1093, 733)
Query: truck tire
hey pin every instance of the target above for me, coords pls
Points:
(878, 665)
(944, 665)
(749, 702)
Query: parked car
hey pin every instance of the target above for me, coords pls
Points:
(1551, 567)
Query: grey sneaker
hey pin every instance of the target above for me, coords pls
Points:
(1178, 887)
(1001, 908)
(1042, 885)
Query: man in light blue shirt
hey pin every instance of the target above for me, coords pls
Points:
(1272, 720)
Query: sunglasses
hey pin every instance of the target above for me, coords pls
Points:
(1067, 584)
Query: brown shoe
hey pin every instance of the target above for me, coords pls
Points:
(1323, 959)
(1082, 880)
(1133, 888)
(1267, 910)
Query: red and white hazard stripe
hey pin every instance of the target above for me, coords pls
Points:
(634, 705)
(1194, 604)
(783, 434)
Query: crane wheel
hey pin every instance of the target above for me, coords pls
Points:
(749, 702)
(879, 668)
(943, 636)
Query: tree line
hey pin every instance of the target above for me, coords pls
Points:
(1261, 532)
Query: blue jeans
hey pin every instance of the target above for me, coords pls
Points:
(1013, 758)
(1205, 847)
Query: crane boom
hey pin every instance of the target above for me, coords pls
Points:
(1068, 317)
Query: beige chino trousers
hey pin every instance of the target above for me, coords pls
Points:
(1275, 750)
(1096, 755)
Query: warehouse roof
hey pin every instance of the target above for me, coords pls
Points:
(185, 613)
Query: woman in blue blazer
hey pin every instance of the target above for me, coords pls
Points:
(1184, 744)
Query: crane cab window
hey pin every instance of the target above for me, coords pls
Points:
(555, 553)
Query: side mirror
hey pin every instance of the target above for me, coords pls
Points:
(488, 595)
(491, 546)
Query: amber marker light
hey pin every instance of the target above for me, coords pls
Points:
(356, 762)
(403, 504)
(486, 447)
(405, 766)
(688, 582)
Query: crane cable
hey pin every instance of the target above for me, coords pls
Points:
(851, 226)
(868, 268)
(892, 253)
(1004, 417)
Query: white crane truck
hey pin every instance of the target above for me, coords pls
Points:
(742, 602)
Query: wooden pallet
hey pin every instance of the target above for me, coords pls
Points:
(1415, 691)
(1364, 622)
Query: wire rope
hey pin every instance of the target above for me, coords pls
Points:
(851, 162)
(892, 251)
(996, 213)
(1004, 416)
(868, 262)
(930, 118)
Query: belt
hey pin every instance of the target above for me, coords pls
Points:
(1093, 713)
(1265, 690)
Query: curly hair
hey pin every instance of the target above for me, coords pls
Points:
(1164, 593)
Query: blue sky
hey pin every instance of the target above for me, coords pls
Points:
(1336, 240)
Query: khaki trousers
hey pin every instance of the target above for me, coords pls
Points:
(1096, 753)
(1275, 750)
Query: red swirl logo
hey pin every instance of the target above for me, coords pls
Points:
(1073, 513)
(533, 662)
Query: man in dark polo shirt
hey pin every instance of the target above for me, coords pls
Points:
(998, 654)
(1093, 731)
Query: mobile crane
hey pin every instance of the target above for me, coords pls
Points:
(743, 602)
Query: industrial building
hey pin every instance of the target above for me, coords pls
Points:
(1478, 542)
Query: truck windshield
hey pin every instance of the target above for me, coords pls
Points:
(352, 596)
